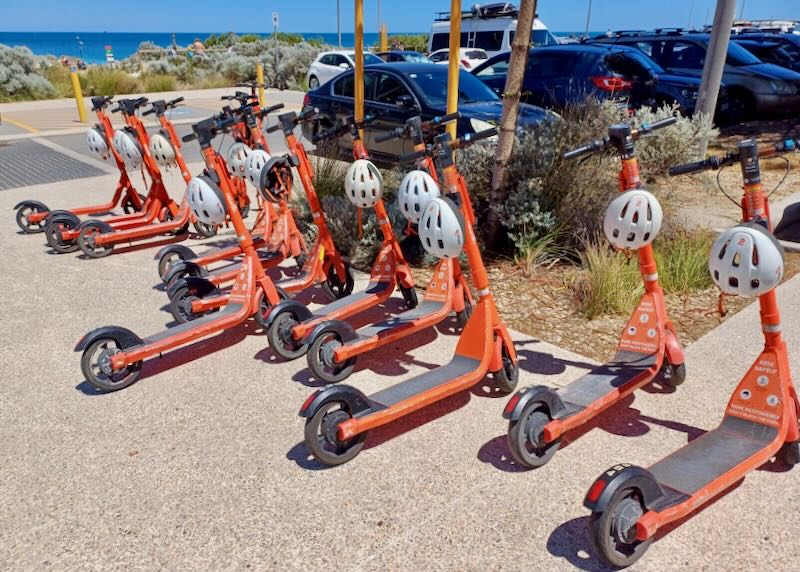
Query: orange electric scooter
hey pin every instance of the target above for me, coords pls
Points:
(193, 296)
(334, 345)
(630, 504)
(290, 323)
(32, 215)
(63, 233)
(338, 417)
(112, 356)
(648, 348)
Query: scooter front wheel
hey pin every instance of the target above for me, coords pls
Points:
(507, 377)
(279, 335)
(87, 244)
(205, 230)
(96, 366)
(613, 531)
(334, 287)
(321, 362)
(409, 296)
(322, 439)
(264, 306)
(127, 204)
(525, 437)
(671, 375)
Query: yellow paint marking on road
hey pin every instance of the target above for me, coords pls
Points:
(20, 124)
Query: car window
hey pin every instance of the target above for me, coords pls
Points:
(388, 88)
(476, 55)
(500, 67)
(327, 60)
(433, 87)
(687, 55)
(538, 38)
(343, 87)
(549, 65)
(646, 47)
(791, 48)
(339, 59)
(440, 57)
(642, 61)
(440, 41)
(371, 59)
(492, 41)
(738, 56)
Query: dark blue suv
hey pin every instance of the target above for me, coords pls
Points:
(558, 75)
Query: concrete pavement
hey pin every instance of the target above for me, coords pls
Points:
(200, 465)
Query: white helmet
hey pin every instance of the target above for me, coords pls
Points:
(441, 228)
(255, 162)
(416, 189)
(206, 200)
(96, 140)
(128, 148)
(633, 219)
(363, 184)
(746, 260)
(237, 159)
(161, 149)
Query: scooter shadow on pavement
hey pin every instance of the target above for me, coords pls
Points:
(187, 353)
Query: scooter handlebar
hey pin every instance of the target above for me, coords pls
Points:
(175, 101)
(273, 128)
(470, 138)
(395, 133)
(694, 167)
(439, 119)
(413, 156)
(660, 124)
(587, 149)
(271, 109)
(189, 137)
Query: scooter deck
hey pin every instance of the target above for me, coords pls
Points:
(458, 367)
(407, 318)
(708, 457)
(374, 289)
(622, 369)
(225, 312)
(234, 266)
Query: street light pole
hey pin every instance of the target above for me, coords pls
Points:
(338, 24)
(588, 17)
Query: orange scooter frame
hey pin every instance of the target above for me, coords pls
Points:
(32, 214)
(630, 504)
(334, 345)
(112, 356)
(538, 416)
(339, 417)
(289, 324)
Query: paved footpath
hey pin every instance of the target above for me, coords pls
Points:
(200, 465)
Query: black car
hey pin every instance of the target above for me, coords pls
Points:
(556, 76)
(755, 89)
(770, 52)
(398, 91)
(790, 43)
(404, 56)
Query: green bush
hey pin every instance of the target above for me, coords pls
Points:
(20, 75)
(609, 282)
(414, 42)
(102, 80)
(682, 261)
(152, 83)
(328, 175)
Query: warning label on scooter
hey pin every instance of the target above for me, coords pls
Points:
(636, 337)
(753, 399)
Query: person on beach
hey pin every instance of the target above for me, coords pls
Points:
(199, 48)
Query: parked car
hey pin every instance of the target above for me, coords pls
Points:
(404, 56)
(771, 53)
(330, 64)
(755, 89)
(558, 75)
(789, 42)
(399, 91)
(469, 58)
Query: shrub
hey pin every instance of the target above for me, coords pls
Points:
(211, 80)
(102, 80)
(329, 176)
(683, 261)
(236, 68)
(609, 282)
(20, 76)
(158, 82)
(415, 42)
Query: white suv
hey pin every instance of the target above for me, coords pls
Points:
(469, 57)
(330, 64)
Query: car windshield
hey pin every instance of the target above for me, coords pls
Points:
(368, 58)
(738, 56)
(416, 58)
(433, 85)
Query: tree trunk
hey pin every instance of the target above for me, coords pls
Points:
(508, 120)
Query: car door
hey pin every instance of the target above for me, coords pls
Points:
(495, 74)
(686, 57)
(324, 68)
(393, 102)
(549, 78)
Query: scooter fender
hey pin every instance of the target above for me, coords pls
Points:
(620, 476)
(355, 401)
(35, 204)
(539, 393)
(184, 252)
(299, 310)
(102, 225)
(123, 336)
(341, 328)
(63, 215)
(200, 286)
(185, 267)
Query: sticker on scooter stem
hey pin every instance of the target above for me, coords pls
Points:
(773, 400)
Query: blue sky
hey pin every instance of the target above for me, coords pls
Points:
(320, 15)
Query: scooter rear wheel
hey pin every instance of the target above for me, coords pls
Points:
(52, 233)
(180, 304)
(279, 335)
(166, 261)
(23, 222)
(525, 437)
(87, 243)
(96, 366)
(321, 435)
(613, 531)
(321, 363)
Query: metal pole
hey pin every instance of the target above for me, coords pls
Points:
(588, 17)
(359, 51)
(741, 10)
(714, 65)
(76, 87)
(338, 24)
(453, 63)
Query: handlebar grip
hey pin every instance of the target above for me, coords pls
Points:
(475, 137)
(116, 109)
(446, 118)
(189, 137)
(388, 136)
(271, 109)
(149, 111)
(695, 167)
(273, 128)
(411, 156)
(595, 145)
(175, 101)
(666, 122)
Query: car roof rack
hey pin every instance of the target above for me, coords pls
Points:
(485, 12)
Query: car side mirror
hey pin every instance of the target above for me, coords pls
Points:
(344, 66)
(405, 101)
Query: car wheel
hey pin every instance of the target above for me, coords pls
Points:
(313, 82)
(741, 108)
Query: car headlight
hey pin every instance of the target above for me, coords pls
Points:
(781, 87)
(479, 125)
(689, 93)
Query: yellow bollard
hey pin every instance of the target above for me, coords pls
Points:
(359, 72)
(76, 87)
(453, 64)
(260, 82)
(384, 38)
